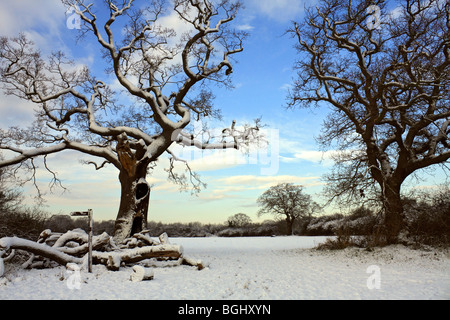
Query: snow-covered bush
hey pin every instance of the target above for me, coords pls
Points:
(427, 216)
(231, 232)
(324, 225)
(361, 221)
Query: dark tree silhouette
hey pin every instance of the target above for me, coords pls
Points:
(288, 201)
(385, 76)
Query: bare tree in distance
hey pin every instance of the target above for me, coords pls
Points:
(165, 77)
(385, 76)
(239, 220)
(286, 200)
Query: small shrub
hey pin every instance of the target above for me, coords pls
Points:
(25, 223)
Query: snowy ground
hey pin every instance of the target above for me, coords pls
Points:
(253, 268)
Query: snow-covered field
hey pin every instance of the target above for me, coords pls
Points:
(253, 268)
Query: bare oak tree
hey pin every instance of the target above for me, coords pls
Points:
(385, 75)
(164, 75)
(287, 201)
(239, 220)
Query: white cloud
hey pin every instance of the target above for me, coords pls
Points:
(14, 111)
(216, 160)
(310, 155)
(280, 10)
(264, 182)
(395, 13)
(286, 87)
(245, 27)
(24, 15)
(47, 16)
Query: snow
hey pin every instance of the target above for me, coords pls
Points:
(252, 268)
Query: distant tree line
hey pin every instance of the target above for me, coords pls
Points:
(427, 214)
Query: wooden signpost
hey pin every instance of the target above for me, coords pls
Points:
(88, 214)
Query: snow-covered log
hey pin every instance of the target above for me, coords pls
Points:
(140, 239)
(77, 235)
(113, 259)
(113, 262)
(6, 257)
(146, 239)
(72, 247)
(193, 262)
(38, 249)
(164, 238)
(140, 273)
(97, 243)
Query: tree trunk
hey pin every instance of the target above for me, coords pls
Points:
(393, 213)
(134, 202)
(289, 225)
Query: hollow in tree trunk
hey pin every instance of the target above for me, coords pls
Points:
(133, 209)
(135, 194)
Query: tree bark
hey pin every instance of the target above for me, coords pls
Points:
(289, 225)
(393, 212)
(133, 209)
(135, 191)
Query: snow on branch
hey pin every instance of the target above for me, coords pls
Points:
(245, 136)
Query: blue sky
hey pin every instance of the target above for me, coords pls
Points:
(261, 78)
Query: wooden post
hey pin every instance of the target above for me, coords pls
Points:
(2, 267)
(90, 216)
(91, 227)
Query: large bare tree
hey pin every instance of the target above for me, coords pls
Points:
(385, 73)
(164, 75)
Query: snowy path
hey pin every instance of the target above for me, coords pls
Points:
(254, 268)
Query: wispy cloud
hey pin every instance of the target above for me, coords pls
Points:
(263, 182)
(280, 10)
(286, 87)
(245, 27)
(24, 15)
(325, 158)
(14, 111)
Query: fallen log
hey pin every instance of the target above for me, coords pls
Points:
(97, 243)
(78, 235)
(193, 262)
(40, 249)
(140, 273)
(113, 259)
(138, 240)
(164, 238)
(72, 247)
